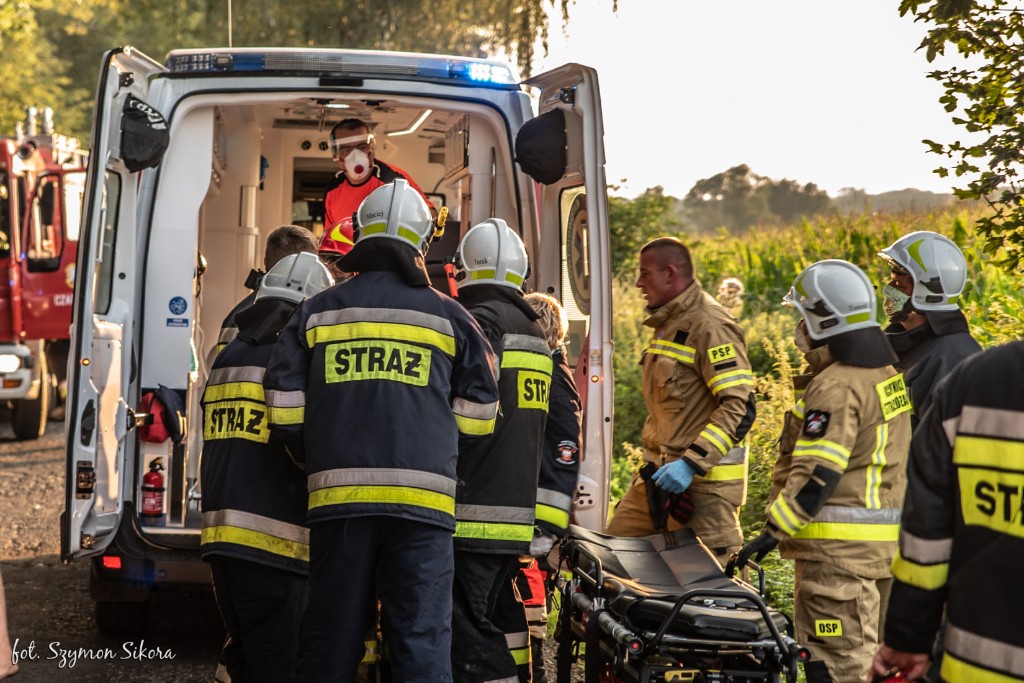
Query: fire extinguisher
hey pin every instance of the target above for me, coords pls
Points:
(153, 494)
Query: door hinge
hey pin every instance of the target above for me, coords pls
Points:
(85, 479)
(136, 420)
(567, 95)
(126, 79)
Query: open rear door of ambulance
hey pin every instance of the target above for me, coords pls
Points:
(578, 204)
(100, 368)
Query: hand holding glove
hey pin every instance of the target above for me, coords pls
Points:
(675, 477)
(756, 549)
(541, 544)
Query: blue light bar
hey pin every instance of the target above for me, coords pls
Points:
(346, 63)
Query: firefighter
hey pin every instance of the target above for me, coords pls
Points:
(840, 475)
(254, 495)
(697, 360)
(961, 539)
(281, 242)
(373, 385)
(926, 328)
(495, 504)
(559, 470)
(360, 172)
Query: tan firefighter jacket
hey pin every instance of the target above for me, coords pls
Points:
(699, 392)
(840, 476)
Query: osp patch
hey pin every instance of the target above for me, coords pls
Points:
(567, 452)
(816, 423)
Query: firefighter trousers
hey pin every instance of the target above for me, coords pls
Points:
(715, 520)
(261, 607)
(481, 617)
(412, 565)
(836, 615)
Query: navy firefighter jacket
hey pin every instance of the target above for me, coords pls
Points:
(254, 495)
(372, 384)
(498, 477)
(560, 460)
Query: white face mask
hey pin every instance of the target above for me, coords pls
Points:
(801, 338)
(357, 165)
(894, 300)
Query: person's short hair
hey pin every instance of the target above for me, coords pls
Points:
(348, 124)
(672, 251)
(553, 320)
(287, 240)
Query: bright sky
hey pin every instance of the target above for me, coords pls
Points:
(824, 91)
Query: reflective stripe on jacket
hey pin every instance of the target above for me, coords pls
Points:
(254, 495)
(699, 391)
(840, 476)
(373, 383)
(962, 536)
(498, 475)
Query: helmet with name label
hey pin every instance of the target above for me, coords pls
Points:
(834, 297)
(492, 253)
(935, 263)
(294, 278)
(395, 211)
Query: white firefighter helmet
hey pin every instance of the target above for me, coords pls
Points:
(398, 212)
(833, 297)
(492, 253)
(294, 278)
(936, 265)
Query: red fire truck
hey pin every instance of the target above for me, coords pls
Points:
(42, 179)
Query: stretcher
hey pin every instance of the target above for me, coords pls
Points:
(660, 608)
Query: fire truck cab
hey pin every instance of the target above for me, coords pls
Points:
(169, 236)
(42, 181)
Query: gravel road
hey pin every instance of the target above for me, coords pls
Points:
(50, 614)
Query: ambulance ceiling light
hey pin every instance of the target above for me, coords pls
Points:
(416, 124)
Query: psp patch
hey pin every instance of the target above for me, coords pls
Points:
(720, 354)
(816, 423)
(567, 452)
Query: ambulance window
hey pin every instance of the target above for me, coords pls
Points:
(44, 242)
(5, 215)
(575, 234)
(105, 263)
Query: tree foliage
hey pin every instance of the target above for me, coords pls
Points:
(986, 97)
(52, 48)
(633, 222)
(739, 199)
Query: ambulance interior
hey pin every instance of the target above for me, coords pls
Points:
(255, 161)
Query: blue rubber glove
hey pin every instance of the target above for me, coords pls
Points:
(675, 477)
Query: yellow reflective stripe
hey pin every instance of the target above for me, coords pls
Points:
(255, 539)
(956, 670)
(681, 357)
(473, 426)
(926, 576)
(286, 416)
(552, 515)
(726, 473)
(494, 531)
(845, 531)
(521, 655)
(485, 274)
(732, 378)
(218, 348)
(526, 360)
(682, 348)
(983, 452)
(373, 330)
(799, 410)
(872, 494)
(827, 450)
(784, 516)
(382, 495)
(717, 436)
(369, 652)
(233, 390)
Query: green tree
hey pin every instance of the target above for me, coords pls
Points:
(633, 222)
(985, 95)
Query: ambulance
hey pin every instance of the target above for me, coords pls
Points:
(197, 159)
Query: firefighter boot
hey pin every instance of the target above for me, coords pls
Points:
(537, 655)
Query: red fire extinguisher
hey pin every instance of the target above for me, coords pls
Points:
(153, 494)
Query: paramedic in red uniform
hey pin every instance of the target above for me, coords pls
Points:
(354, 149)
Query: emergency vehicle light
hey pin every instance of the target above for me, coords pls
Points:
(345, 63)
